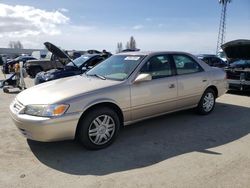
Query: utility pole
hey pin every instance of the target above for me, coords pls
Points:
(222, 27)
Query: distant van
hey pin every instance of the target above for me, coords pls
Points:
(39, 54)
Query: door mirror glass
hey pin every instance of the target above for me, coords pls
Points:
(143, 77)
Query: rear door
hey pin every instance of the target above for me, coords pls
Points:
(191, 80)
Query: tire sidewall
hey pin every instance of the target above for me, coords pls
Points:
(200, 106)
(86, 121)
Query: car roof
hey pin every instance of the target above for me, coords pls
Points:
(90, 55)
(206, 55)
(146, 53)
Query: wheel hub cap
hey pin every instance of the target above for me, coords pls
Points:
(101, 129)
(208, 102)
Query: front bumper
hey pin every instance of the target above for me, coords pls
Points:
(39, 79)
(242, 85)
(46, 129)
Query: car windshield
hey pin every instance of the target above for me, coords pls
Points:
(79, 61)
(117, 67)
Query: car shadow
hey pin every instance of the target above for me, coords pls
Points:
(149, 142)
(241, 93)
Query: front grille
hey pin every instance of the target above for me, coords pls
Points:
(18, 107)
(238, 75)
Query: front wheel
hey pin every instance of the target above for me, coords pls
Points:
(98, 128)
(207, 102)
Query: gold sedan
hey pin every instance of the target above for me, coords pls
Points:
(123, 89)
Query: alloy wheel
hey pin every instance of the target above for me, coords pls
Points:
(208, 102)
(101, 129)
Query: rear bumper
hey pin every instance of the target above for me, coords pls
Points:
(239, 85)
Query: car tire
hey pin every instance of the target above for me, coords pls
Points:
(5, 90)
(98, 128)
(207, 102)
(34, 71)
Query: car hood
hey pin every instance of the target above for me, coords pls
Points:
(62, 89)
(237, 49)
(56, 51)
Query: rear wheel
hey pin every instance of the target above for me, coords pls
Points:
(207, 102)
(98, 128)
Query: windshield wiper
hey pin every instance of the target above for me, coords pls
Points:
(97, 75)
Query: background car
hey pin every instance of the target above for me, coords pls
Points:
(78, 66)
(238, 70)
(212, 60)
(8, 66)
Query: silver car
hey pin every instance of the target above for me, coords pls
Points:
(123, 89)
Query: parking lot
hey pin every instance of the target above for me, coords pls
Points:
(176, 150)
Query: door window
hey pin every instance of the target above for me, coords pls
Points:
(186, 65)
(158, 67)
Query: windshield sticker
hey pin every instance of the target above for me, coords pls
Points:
(132, 58)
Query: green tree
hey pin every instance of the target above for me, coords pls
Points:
(15, 44)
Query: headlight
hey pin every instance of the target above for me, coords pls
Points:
(46, 110)
(49, 76)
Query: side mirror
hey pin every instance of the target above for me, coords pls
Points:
(143, 77)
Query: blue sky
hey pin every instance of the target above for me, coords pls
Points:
(156, 25)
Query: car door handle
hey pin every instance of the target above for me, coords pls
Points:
(171, 86)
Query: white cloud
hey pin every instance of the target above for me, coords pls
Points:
(137, 27)
(22, 21)
(63, 10)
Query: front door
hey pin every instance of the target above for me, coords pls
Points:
(158, 95)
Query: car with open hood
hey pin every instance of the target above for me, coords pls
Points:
(74, 67)
(238, 70)
(123, 89)
(56, 58)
